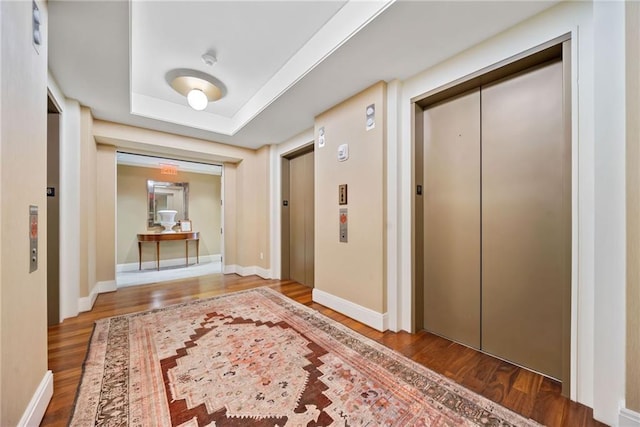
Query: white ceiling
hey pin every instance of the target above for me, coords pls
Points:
(282, 62)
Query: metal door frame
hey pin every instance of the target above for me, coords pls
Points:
(558, 47)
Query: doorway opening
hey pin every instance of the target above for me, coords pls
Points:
(297, 212)
(148, 248)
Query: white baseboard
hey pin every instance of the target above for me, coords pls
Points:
(379, 321)
(263, 272)
(173, 262)
(628, 418)
(247, 271)
(86, 303)
(229, 269)
(39, 402)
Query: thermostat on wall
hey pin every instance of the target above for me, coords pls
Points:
(343, 152)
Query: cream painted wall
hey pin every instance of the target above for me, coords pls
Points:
(252, 193)
(262, 203)
(246, 215)
(23, 165)
(353, 271)
(105, 209)
(204, 212)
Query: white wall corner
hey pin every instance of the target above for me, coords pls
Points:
(246, 271)
(86, 303)
(106, 286)
(263, 272)
(251, 270)
(393, 191)
(378, 321)
(609, 209)
(34, 412)
(274, 211)
(69, 208)
(628, 418)
(229, 269)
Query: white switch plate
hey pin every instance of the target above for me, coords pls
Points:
(370, 117)
(343, 152)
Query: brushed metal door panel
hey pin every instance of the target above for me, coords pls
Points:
(452, 219)
(296, 220)
(309, 219)
(301, 219)
(524, 219)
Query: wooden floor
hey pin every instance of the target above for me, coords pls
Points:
(527, 393)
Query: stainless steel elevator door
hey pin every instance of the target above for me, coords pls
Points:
(301, 208)
(524, 215)
(452, 219)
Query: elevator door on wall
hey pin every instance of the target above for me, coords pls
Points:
(301, 217)
(452, 219)
(496, 218)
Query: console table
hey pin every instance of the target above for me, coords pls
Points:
(164, 237)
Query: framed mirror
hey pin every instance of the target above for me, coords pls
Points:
(167, 196)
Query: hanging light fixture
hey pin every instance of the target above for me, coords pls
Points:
(199, 88)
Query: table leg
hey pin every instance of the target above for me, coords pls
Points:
(198, 251)
(158, 254)
(139, 255)
(186, 252)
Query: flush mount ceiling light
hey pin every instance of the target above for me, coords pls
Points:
(199, 88)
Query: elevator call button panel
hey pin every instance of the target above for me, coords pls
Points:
(33, 238)
(343, 225)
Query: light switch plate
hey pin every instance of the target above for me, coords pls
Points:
(321, 137)
(370, 113)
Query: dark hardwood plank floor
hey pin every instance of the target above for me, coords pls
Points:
(529, 394)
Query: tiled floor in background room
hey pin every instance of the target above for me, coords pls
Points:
(143, 277)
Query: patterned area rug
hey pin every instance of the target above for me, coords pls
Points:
(258, 358)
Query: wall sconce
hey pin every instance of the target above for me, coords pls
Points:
(199, 88)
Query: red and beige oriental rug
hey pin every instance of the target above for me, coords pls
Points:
(258, 358)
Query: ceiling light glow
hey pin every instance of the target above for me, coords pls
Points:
(197, 99)
(199, 88)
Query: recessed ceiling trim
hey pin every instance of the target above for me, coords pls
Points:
(159, 109)
(155, 162)
(350, 19)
